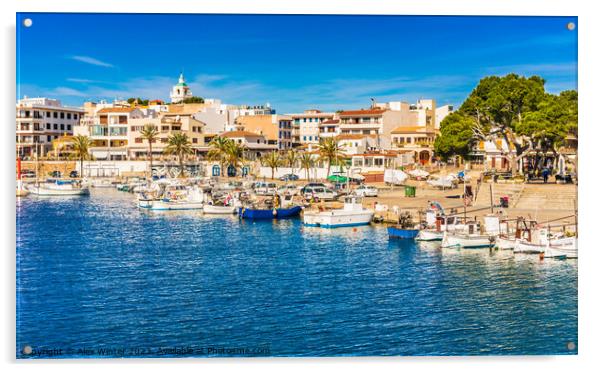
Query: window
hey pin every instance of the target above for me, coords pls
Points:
(163, 140)
(138, 140)
(48, 138)
(62, 126)
(74, 116)
(56, 126)
(195, 140)
(55, 115)
(47, 125)
(69, 115)
(47, 114)
(62, 115)
(68, 126)
(378, 162)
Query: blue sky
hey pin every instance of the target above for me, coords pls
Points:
(293, 62)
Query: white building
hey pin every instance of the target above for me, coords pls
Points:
(180, 91)
(306, 126)
(41, 120)
(441, 113)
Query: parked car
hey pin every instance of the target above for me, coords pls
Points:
(55, 174)
(28, 173)
(365, 190)
(289, 177)
(288, 189)
(319, 192)
(73, 174)
(265, 188)
(312, 184)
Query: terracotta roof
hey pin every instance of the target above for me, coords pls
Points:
(362, 112)
(115, 109)
(411, 129)
(240, 133)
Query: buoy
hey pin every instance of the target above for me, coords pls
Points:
(542, 256)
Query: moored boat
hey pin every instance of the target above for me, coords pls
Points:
(264, 214)
(352, 214)
(173, 197)
(219, 209)
(58, 188)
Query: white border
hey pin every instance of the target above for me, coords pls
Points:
(589, 90)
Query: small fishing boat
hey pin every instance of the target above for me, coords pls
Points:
(472, 238)
(58, 188)
(353, 213)
(281, 206)
(405, 229)
(429, 235)
(173, 197)
(219, 209)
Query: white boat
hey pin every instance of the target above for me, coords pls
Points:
(174, 197)
(352, 214)
(505, 243)
(418, 174)
(565, 245)
(464, 240)
(219, 209)
(471, 238)
(21, 190)
(429, 235)
(58, 188)
(551, 252)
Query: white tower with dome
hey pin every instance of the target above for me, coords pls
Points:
(180, 91)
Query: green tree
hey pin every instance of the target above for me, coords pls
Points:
(330, 151)
(271, 159)
(235, 154)
(179, 145)
(291, 159)
(218, 151)
(193, 99)
(81, 150)
(150, 133)
(498, 104)
(456, 137)
(307, 162)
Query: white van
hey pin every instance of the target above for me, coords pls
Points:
(265, 188)
(319, 192)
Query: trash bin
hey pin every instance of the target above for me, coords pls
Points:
(504, 201)
(410, 191)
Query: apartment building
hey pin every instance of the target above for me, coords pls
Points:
(255, 144)
(108, 131)
(375, 121)
(306, 126)
(277, 129)
(167, 124)
(41, 120)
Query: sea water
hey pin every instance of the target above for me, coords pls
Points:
(98, 277)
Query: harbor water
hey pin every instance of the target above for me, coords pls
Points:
(98, 277)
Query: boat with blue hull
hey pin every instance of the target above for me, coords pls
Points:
(400, 233)
(265, 214)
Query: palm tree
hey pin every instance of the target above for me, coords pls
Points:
(218, 151)
(179, 145)
(81, 147)
(290, 159)
(272, 160)
(306, 162)
(234, 154)
(150, 133)
(329, 150)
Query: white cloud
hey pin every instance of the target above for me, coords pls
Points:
(91, 61)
